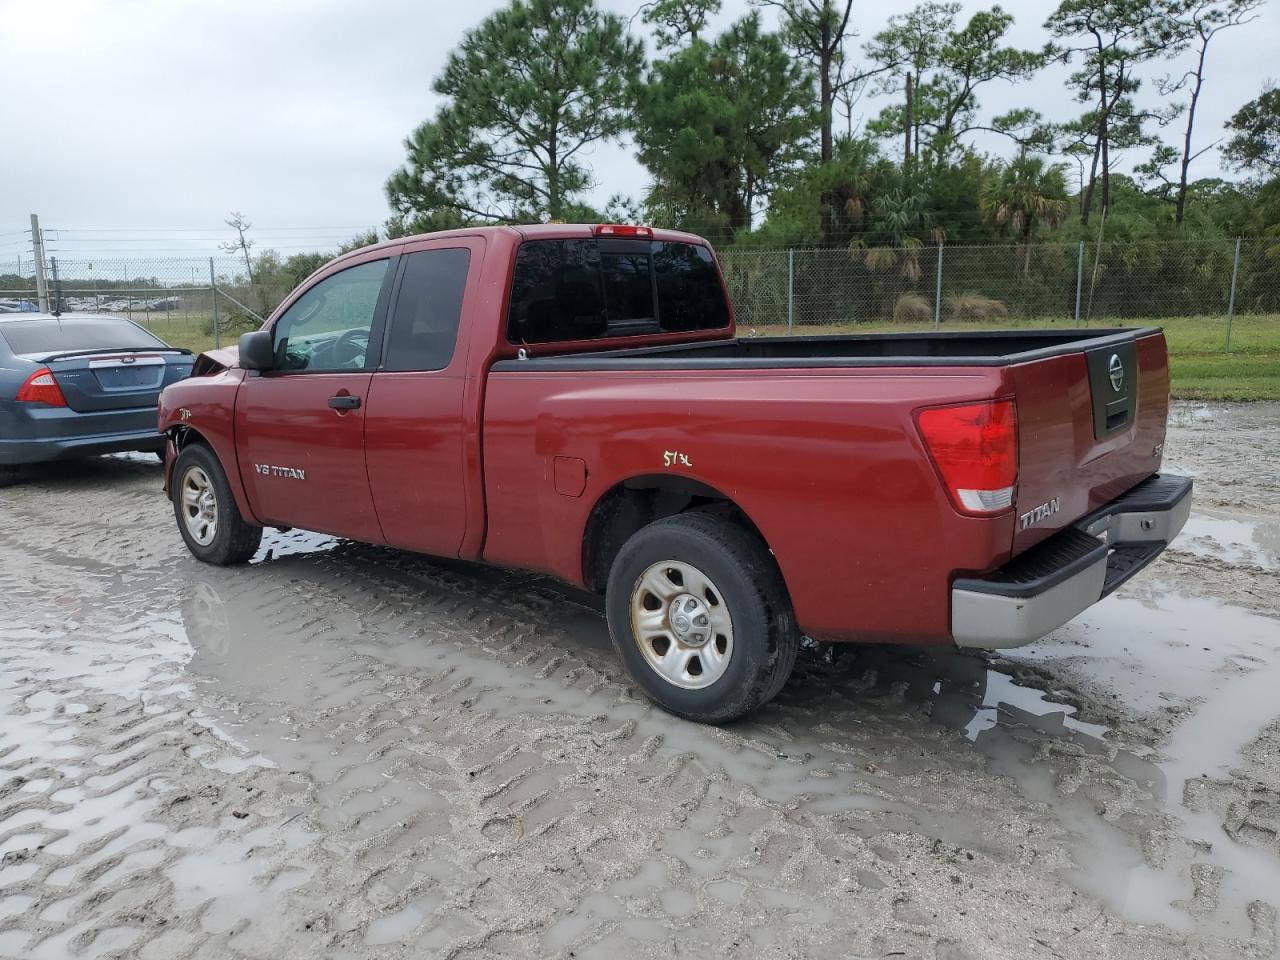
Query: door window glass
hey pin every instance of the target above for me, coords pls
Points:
(424, 326)
(328, 327)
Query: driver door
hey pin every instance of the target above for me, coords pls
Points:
(300, 425)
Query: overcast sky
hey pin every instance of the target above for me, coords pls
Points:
(147, 121)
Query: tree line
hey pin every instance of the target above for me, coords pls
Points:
(759, 136)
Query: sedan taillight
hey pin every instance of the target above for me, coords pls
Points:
(41, 387)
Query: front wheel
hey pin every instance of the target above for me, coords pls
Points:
(699, 616)
(208, 518)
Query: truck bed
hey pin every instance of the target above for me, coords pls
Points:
(815, 440)
(978, 348)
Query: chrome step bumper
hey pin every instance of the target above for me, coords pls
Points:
(1041, 589)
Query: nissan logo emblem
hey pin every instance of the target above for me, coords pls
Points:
(1116, 370)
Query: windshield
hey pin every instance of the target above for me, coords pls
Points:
(77, 333)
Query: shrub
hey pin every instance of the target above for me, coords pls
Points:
(975, 306)
(232, 321)
(912, 308)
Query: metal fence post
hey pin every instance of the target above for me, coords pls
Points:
(1231, 301)
(213, 296)
(937, 292)
(57, 289)
(791, 288)
(37, 255)
(1079, 278)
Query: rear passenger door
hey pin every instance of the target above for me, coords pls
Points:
(414, 440)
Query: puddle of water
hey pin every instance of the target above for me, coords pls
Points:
(1150, 653)
(397, 926)
(1227, 657)
(1232, 540)
(1184, 414)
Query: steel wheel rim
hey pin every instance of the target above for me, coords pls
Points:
(681, 624)
(199, 506)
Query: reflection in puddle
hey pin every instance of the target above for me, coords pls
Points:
(279, 543)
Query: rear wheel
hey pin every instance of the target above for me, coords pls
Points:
(9, 475)
(699, 616)
(208, 518)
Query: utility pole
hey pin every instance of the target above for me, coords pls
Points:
(37, 253)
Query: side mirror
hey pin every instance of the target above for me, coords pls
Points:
(256, 352)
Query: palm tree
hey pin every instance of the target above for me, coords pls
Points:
(899, 220)
(1021, 195)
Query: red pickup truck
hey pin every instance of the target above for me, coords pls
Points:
(574, 400)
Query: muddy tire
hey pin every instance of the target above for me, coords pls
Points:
(698, 613)
(206, 511)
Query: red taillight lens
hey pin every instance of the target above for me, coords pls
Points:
(40, 387)
(975, 447)
(623, 230)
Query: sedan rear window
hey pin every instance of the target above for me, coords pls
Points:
(76, 333)
(588, 289)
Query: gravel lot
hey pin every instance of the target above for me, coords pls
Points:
(345, 751)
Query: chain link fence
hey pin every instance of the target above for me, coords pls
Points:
(824, 290)
(200, 302)
(196, 303)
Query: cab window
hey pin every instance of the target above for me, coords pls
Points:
(329, 326)
(424, 323)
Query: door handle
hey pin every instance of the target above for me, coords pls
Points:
(344, 402)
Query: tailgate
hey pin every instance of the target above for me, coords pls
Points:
(1091, 425)
(116, 380)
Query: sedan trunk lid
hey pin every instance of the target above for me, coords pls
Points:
(117, 380)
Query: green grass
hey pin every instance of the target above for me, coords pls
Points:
(1201, 368)
(193, 331)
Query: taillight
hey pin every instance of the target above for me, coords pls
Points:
(975, 448)
(40, 387)
(622, 230)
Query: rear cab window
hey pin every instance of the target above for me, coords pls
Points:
(566, 290)
(70, 334)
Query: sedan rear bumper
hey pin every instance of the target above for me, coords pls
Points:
(14, 452)
(1051, 583)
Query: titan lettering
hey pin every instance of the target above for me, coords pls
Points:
(1042, 512)
(291, 472)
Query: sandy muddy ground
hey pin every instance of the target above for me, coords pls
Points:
(344, 751)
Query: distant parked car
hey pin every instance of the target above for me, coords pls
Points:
(17, 306)
(80, 385)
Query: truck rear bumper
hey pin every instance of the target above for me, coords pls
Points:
(1046, 586)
